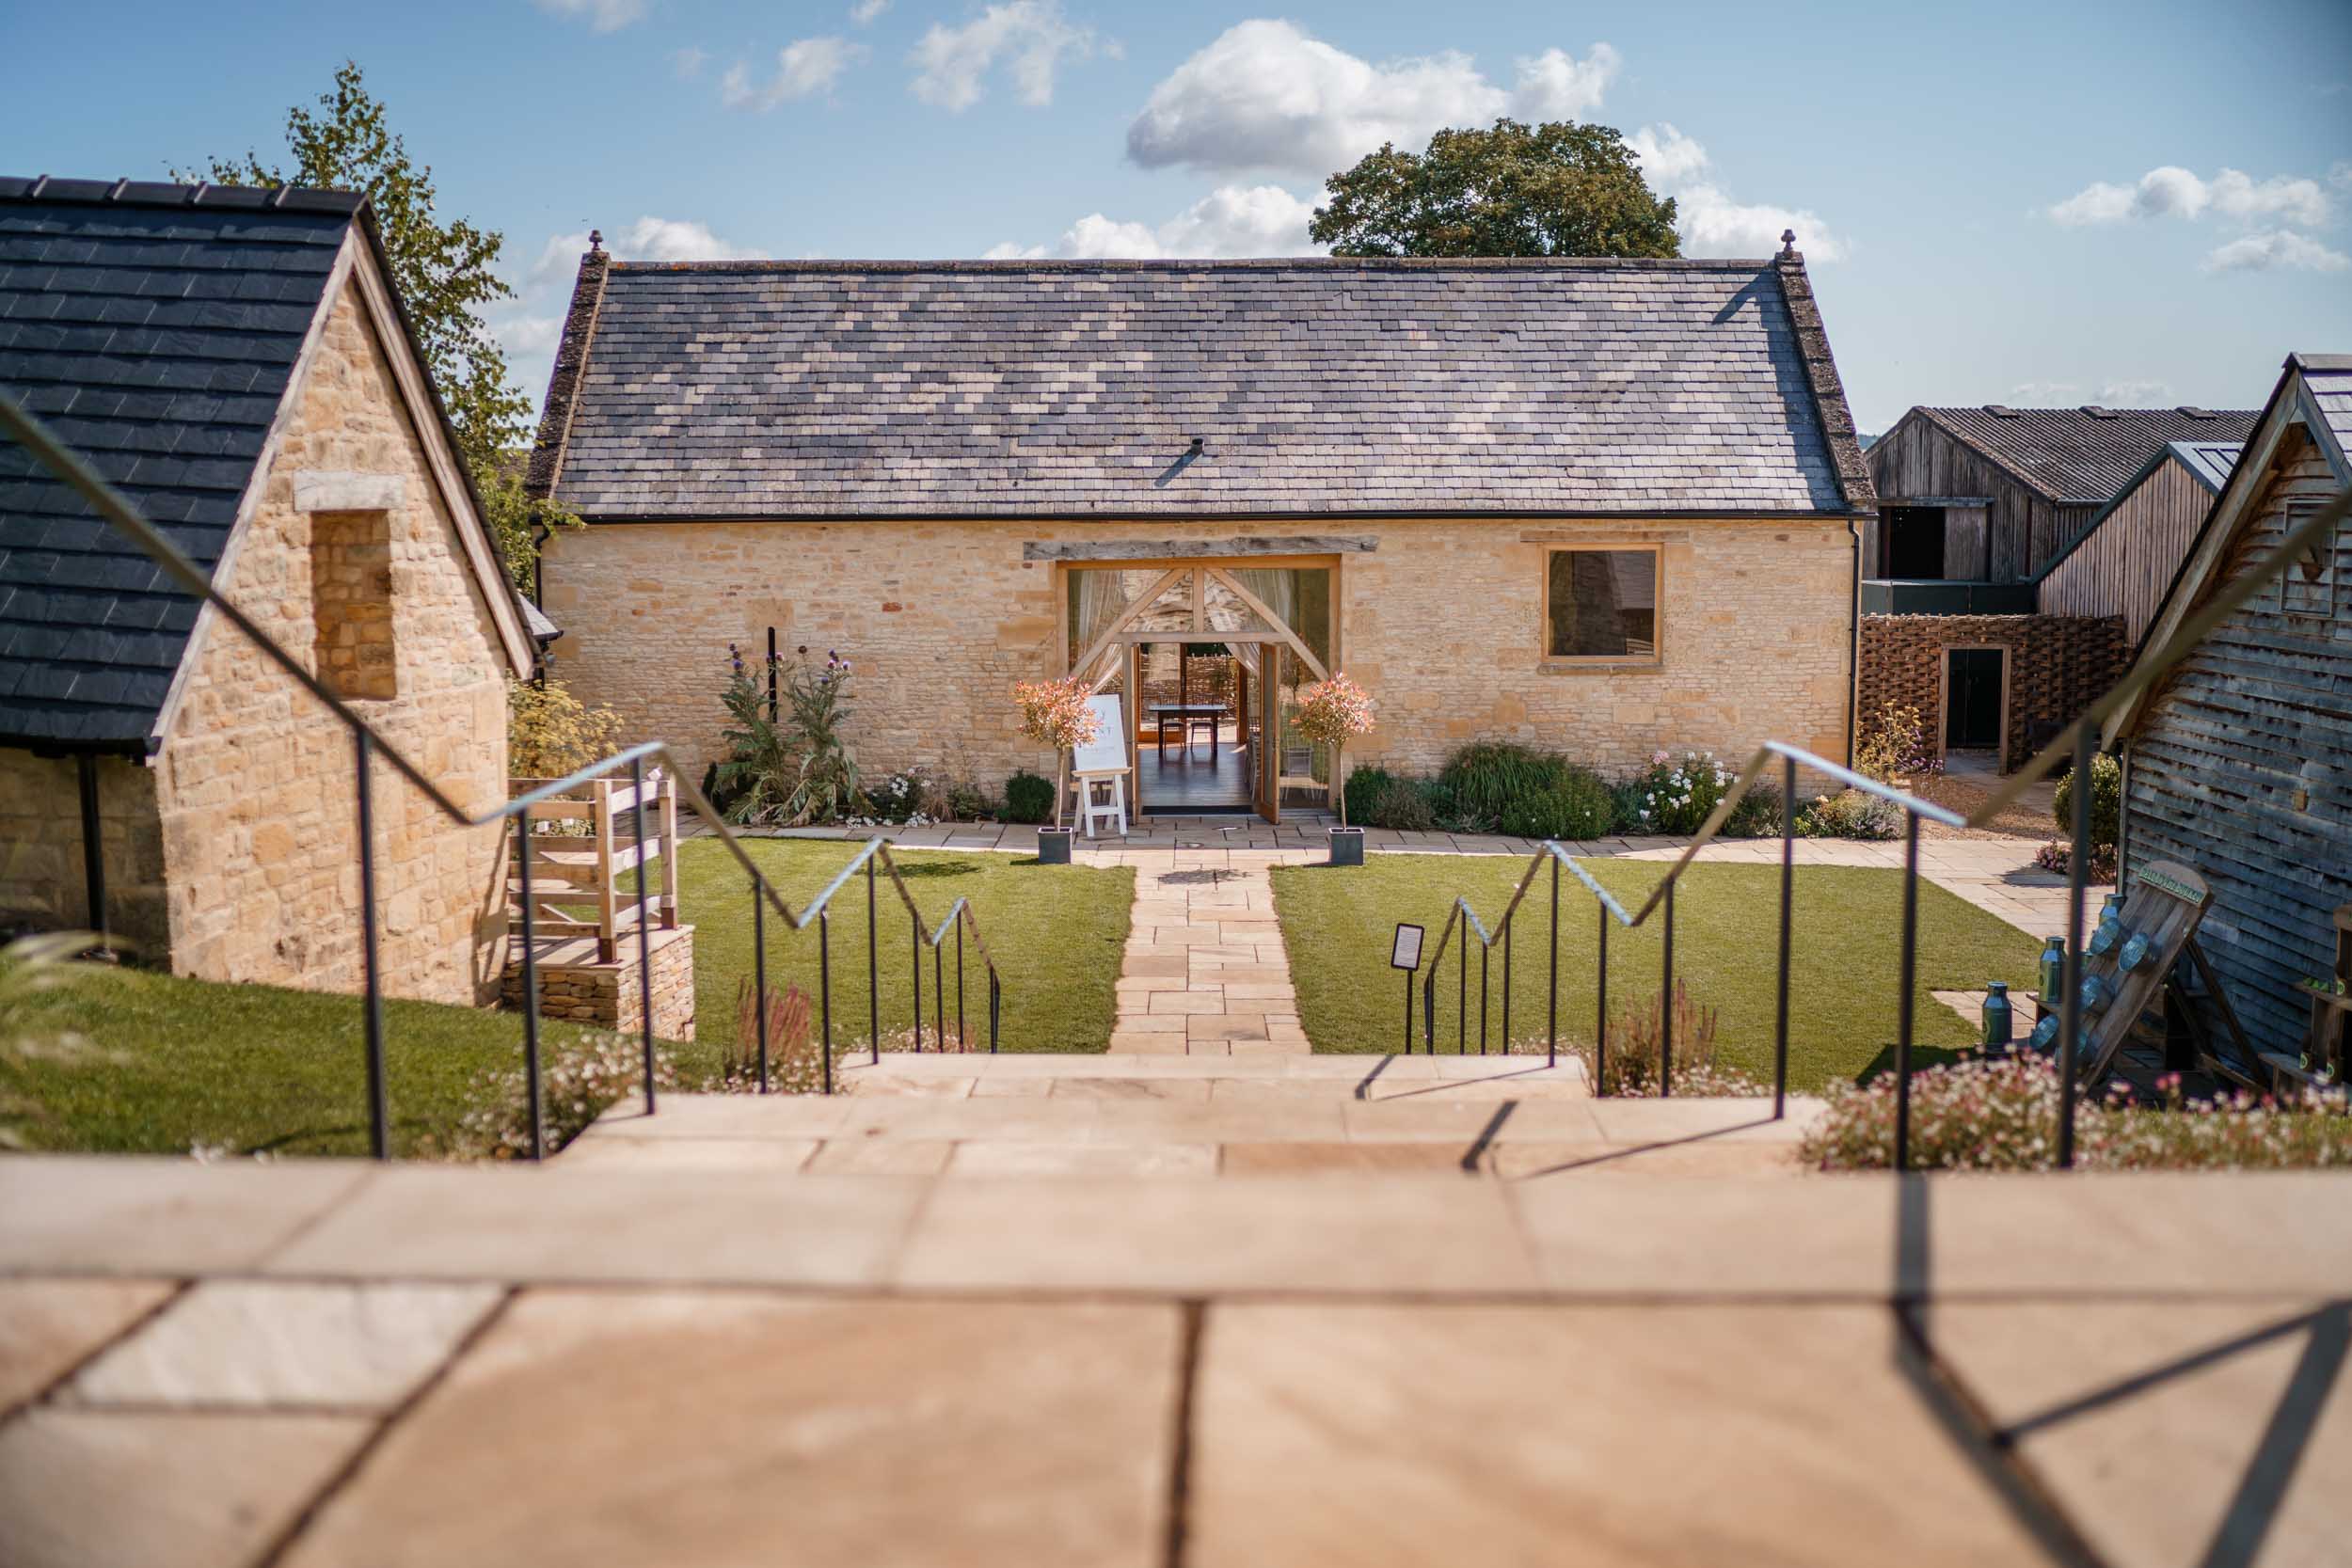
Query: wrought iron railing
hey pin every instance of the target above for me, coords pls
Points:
(2076, 741)
(368, 744)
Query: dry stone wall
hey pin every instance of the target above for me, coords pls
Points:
(42, 886)
(1441, 621)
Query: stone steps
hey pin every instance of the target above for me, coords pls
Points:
(1512, 1117)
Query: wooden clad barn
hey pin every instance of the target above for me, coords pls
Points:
(1990, 494)
(2124, 560)
(2239, 763)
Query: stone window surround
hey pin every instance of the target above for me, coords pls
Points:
(324, 493)
(1573, 663)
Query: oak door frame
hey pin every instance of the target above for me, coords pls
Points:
(1943, 652)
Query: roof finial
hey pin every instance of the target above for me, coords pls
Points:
(1788, 242)
(595, 240)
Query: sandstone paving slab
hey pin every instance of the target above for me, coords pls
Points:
(1372, 1435)
(110, 1489)
(286, 1343)
(1649, 1120)
(1195, 1090)
(1008, 1157)
(109, 1215)
(1609, 1233)
(726, 1428)
(727, 1116)
(2177, 1432)
(1520, 1160)
(552, 1224)
(1375, 1233)
(2155, 1232)
(1341, 1159)
(880, 1156)
(1460, 1121)
(773, 1156)
(48, 1326)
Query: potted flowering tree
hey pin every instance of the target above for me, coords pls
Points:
(1331, 713)
(1055, 713)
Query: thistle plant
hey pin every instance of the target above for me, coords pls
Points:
(789, 769)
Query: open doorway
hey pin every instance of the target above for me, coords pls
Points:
(1207, 658)
(1975, 701)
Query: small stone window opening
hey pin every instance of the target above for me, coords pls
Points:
(351, 603)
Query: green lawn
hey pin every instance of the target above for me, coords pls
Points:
(1057, 933)
(152, 1064)
(1845, 955)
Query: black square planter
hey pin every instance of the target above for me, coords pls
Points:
(1052, 846)
(1347, 846)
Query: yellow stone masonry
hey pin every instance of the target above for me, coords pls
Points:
(1441, 622)
(254, 784)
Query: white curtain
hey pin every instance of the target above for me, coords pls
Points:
(1100, 596)
(1278, 588)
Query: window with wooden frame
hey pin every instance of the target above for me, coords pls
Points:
(2307, 591)
(1600, 602)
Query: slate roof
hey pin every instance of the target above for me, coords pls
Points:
(2208, 461)
(155, 335)
(2327, 381)
(1317, 387)
(2075, 455)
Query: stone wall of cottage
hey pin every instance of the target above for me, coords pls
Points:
(1441, 622)
(254, 783)
(42, 883)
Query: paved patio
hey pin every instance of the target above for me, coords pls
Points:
(318, 1364)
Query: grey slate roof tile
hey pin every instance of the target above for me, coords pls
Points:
(156, 341)
(767, 389)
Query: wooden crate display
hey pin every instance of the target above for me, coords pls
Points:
(576, 877)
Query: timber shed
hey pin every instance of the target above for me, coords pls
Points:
(2239, 761)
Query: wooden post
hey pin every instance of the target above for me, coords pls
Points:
(600, 805)
(669, 850)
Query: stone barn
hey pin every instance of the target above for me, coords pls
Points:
(235, 361)
(1606, 506)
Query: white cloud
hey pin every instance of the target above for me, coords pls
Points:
(2135, 394)
(864, 12)
(1028, 37)
(686, 64)
(2276, 247)
(1233, 220)
(649, 239)
(1555, 85)
(1668, 157)
(604, 16)
(1709, 222)
(804, 68)
(2172, 191)
(2045, 394)
(1265, 95)
(532, 335)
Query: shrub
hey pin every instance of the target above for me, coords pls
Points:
(2058, 856)
(1676, 793)
(2107, 803)
(1331, 713)
(1851, 814)
(583, 1072)
(967, 801)
(2001, 1114)
(797, 769)
(1758, 815)
(1365, 786)
(1404, 806)
(1574, 804)
(1028, 798)
(1488, 777)
(550, 733)
(1895, 746)
(901, 798)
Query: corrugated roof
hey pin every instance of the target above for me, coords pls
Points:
(2082, 455)
(1316, 386)
(157, 337)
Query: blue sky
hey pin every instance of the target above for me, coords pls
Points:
(2144, 204)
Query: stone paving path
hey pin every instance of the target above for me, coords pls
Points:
(327, 1363)
(1205, 972)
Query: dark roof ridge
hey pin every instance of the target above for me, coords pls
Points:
(571, 361)
(168, 193)
(1829, 393)
(1227, 263)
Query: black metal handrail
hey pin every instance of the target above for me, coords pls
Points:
(110, 504)
(2074, 741)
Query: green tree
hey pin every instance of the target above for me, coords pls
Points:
(1555, 189)
(446, 275)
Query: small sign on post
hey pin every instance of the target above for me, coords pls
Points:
(1405, 954)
